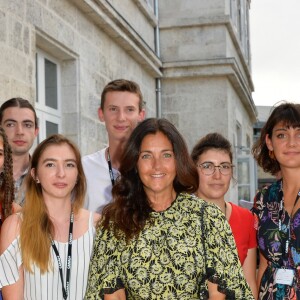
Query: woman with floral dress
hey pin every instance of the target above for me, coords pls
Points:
(277, 207)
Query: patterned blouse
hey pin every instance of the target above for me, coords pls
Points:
(171, 258)
(272, 242)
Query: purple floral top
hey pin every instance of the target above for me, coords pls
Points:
(272, 242)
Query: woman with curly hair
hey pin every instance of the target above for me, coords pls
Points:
(156, 240)
(7, 206)
(6, 178)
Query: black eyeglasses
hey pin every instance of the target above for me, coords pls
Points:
(208, 168)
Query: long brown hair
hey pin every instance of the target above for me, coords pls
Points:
(6, 179)
(37, 229)
(130, 209)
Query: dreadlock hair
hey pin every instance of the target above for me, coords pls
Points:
(6, 179)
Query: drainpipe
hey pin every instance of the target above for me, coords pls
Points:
(157, 52)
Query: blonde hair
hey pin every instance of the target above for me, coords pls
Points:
(37, 229)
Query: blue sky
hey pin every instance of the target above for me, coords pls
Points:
(275, 47)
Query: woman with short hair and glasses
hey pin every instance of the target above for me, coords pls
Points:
(213, 158)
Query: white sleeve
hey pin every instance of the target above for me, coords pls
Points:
(10, 262)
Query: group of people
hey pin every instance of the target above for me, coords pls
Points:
(142, 218)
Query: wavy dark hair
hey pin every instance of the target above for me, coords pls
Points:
(287, 113)
(130, 208)
(6, 179)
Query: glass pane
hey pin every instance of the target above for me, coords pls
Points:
(244, 192)
(243, 172)
(51, 84)
(51, 128)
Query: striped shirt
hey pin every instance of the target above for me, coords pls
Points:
(48, 286)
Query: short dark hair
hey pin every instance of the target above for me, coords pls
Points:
(18, 102)
(122, 85)
(130, 208)
(289, 114)
(211, 141)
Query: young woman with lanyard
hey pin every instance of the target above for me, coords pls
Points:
(277, 207)
(47, 248)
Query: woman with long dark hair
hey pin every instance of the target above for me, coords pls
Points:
(156, 240)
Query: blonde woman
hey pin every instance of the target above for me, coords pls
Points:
(46, 249)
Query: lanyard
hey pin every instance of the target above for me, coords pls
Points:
(289, 224)
(65, 291)
(111, 174)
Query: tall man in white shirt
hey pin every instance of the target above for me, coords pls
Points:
(19, 121)
(121, 110)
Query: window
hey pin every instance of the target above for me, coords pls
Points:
(245, 165)
(243, 168)
(150, 3)
(239, 19)
(48, 95)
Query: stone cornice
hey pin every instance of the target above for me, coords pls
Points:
(223, 67)
(108, 19)
(168, 23)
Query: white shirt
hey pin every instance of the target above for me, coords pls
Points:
(48, 286)
(99, 184)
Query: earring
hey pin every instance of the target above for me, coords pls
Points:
(272, 155)
(37, 180)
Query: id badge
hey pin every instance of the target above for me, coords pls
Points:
(284, 276)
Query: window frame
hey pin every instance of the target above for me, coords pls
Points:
(44, 112)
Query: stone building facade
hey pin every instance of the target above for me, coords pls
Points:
(191, 59)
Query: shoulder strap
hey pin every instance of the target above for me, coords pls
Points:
(91, 220)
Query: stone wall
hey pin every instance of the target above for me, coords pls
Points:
(94, 44)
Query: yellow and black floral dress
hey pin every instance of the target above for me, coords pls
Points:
(176, 252)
